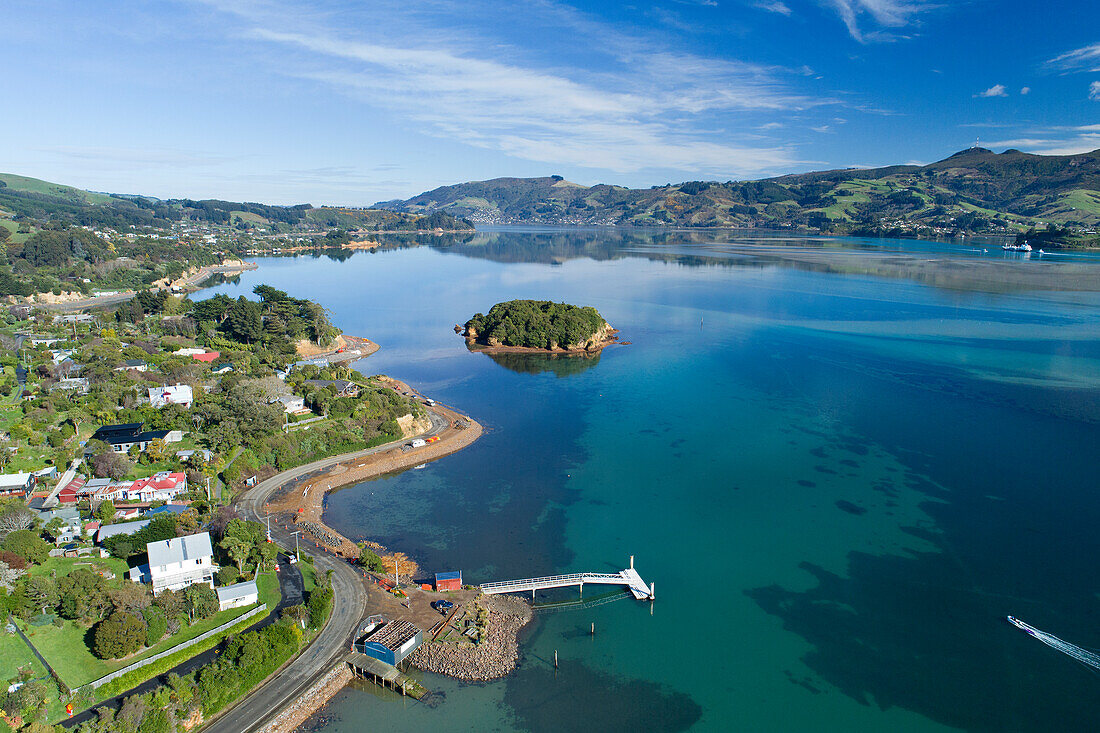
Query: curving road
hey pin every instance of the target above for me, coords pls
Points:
(350, 598)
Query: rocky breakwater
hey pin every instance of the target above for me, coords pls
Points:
(494, 655)
(310, 701)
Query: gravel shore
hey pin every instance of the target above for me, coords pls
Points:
(496, 656)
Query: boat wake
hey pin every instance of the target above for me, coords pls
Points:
(1084, 656)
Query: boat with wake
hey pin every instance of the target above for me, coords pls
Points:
(1084, 656)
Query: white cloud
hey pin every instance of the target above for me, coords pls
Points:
(774, 6)
(645, 107)
(1080, 59)
(1060, 140)
(1025, 91)
(884, 13)
(997, 90)
(1094, 91)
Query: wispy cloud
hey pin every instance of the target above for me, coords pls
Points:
(1057, 140)
(997, 90)
(774, 6)
(1094, 91)
(648, 107)
(882, 13)
(1079, 59)
(1024, 91)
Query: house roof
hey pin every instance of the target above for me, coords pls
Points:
(160, 482)
(110, 530)
(105, 432)
(179, 549)
(65, 514)
(134, 363)
(340, 385)
(237, 590)
(452, 575)
(15, 480)
(394, 634)
(167, 509)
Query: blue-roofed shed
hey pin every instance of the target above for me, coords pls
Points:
(388, 641)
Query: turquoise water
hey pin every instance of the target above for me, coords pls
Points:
(839, 482)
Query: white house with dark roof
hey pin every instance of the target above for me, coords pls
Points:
(179, 562)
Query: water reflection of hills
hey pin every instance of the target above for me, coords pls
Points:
(561, 365)
(929, 263)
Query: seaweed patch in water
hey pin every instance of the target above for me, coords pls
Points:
(545, 699)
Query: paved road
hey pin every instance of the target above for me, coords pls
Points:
(350, 601)
(107, 300)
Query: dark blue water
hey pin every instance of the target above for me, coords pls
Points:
(840, 473)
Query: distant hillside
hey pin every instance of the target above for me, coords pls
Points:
(30, 198)
(974, 190)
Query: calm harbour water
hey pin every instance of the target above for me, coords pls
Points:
(841, 463)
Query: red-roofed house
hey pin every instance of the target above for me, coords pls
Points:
(163, 486)
(207, 356)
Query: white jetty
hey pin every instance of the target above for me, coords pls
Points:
(628, 578)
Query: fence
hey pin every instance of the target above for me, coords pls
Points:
(95, 684)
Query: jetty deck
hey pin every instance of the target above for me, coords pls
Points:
(628, 578)
(384, 674)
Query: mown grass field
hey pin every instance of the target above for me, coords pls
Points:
(68, 650)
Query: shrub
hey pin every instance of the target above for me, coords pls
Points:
(156, 625)
(369, 559)
(228, 575)
(319, 604)
(119, 634)
(27, 545)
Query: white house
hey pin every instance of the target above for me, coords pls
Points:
(291, 403)
(16, 483)
(133, 365)
(181, 561)
(237, 595)
(178, 394)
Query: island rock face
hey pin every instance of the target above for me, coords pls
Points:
(539, 325)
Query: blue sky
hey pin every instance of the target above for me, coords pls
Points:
(353, 102)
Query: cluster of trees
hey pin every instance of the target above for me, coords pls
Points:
(537, 324)
(277, 317)
(60, 247)
(137, 619)
(245, 544)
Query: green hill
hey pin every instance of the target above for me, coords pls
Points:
(974, 190)
(43, 201)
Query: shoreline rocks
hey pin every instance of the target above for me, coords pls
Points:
(494, 657)
(310, 701)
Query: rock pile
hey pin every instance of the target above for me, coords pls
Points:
(495, 656)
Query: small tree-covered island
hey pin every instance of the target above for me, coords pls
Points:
(538, 326)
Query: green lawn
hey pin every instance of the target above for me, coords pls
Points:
(15, 654)
(57, 567)
(309, 576)
(67, 651)
(268, 585)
